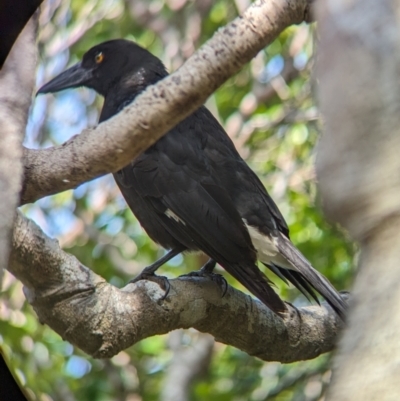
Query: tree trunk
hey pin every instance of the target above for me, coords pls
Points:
(358, 168)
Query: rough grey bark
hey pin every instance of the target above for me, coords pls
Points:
(16, 85)
(103, 320)
(359, 177)
(114, 143)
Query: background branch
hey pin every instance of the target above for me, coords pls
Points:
(113, 144)
(189, 361)
(103, 320)
(16, 85)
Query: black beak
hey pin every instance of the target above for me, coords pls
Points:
(73, 77)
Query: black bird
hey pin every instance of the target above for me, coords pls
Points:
(191, 190)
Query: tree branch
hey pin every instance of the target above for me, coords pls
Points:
(103, 320)
(113, 144)
(16, 85)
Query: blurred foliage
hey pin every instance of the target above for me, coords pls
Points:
(268, 111)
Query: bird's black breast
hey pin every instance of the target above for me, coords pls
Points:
(247, 192)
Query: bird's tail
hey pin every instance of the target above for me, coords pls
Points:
(315, 279)
(254, 280)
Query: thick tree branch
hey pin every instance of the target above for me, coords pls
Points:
(16, 85)
(113, 144)
(358, 167)
(102, 319)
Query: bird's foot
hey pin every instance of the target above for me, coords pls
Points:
(217, 278)
(162, 281)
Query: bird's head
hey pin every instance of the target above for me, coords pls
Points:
(116, 64)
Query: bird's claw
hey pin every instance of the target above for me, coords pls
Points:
(162, 281)
(217, 278)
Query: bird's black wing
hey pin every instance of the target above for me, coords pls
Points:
(244, 187)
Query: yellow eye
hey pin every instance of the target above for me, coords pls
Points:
(98, 58)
